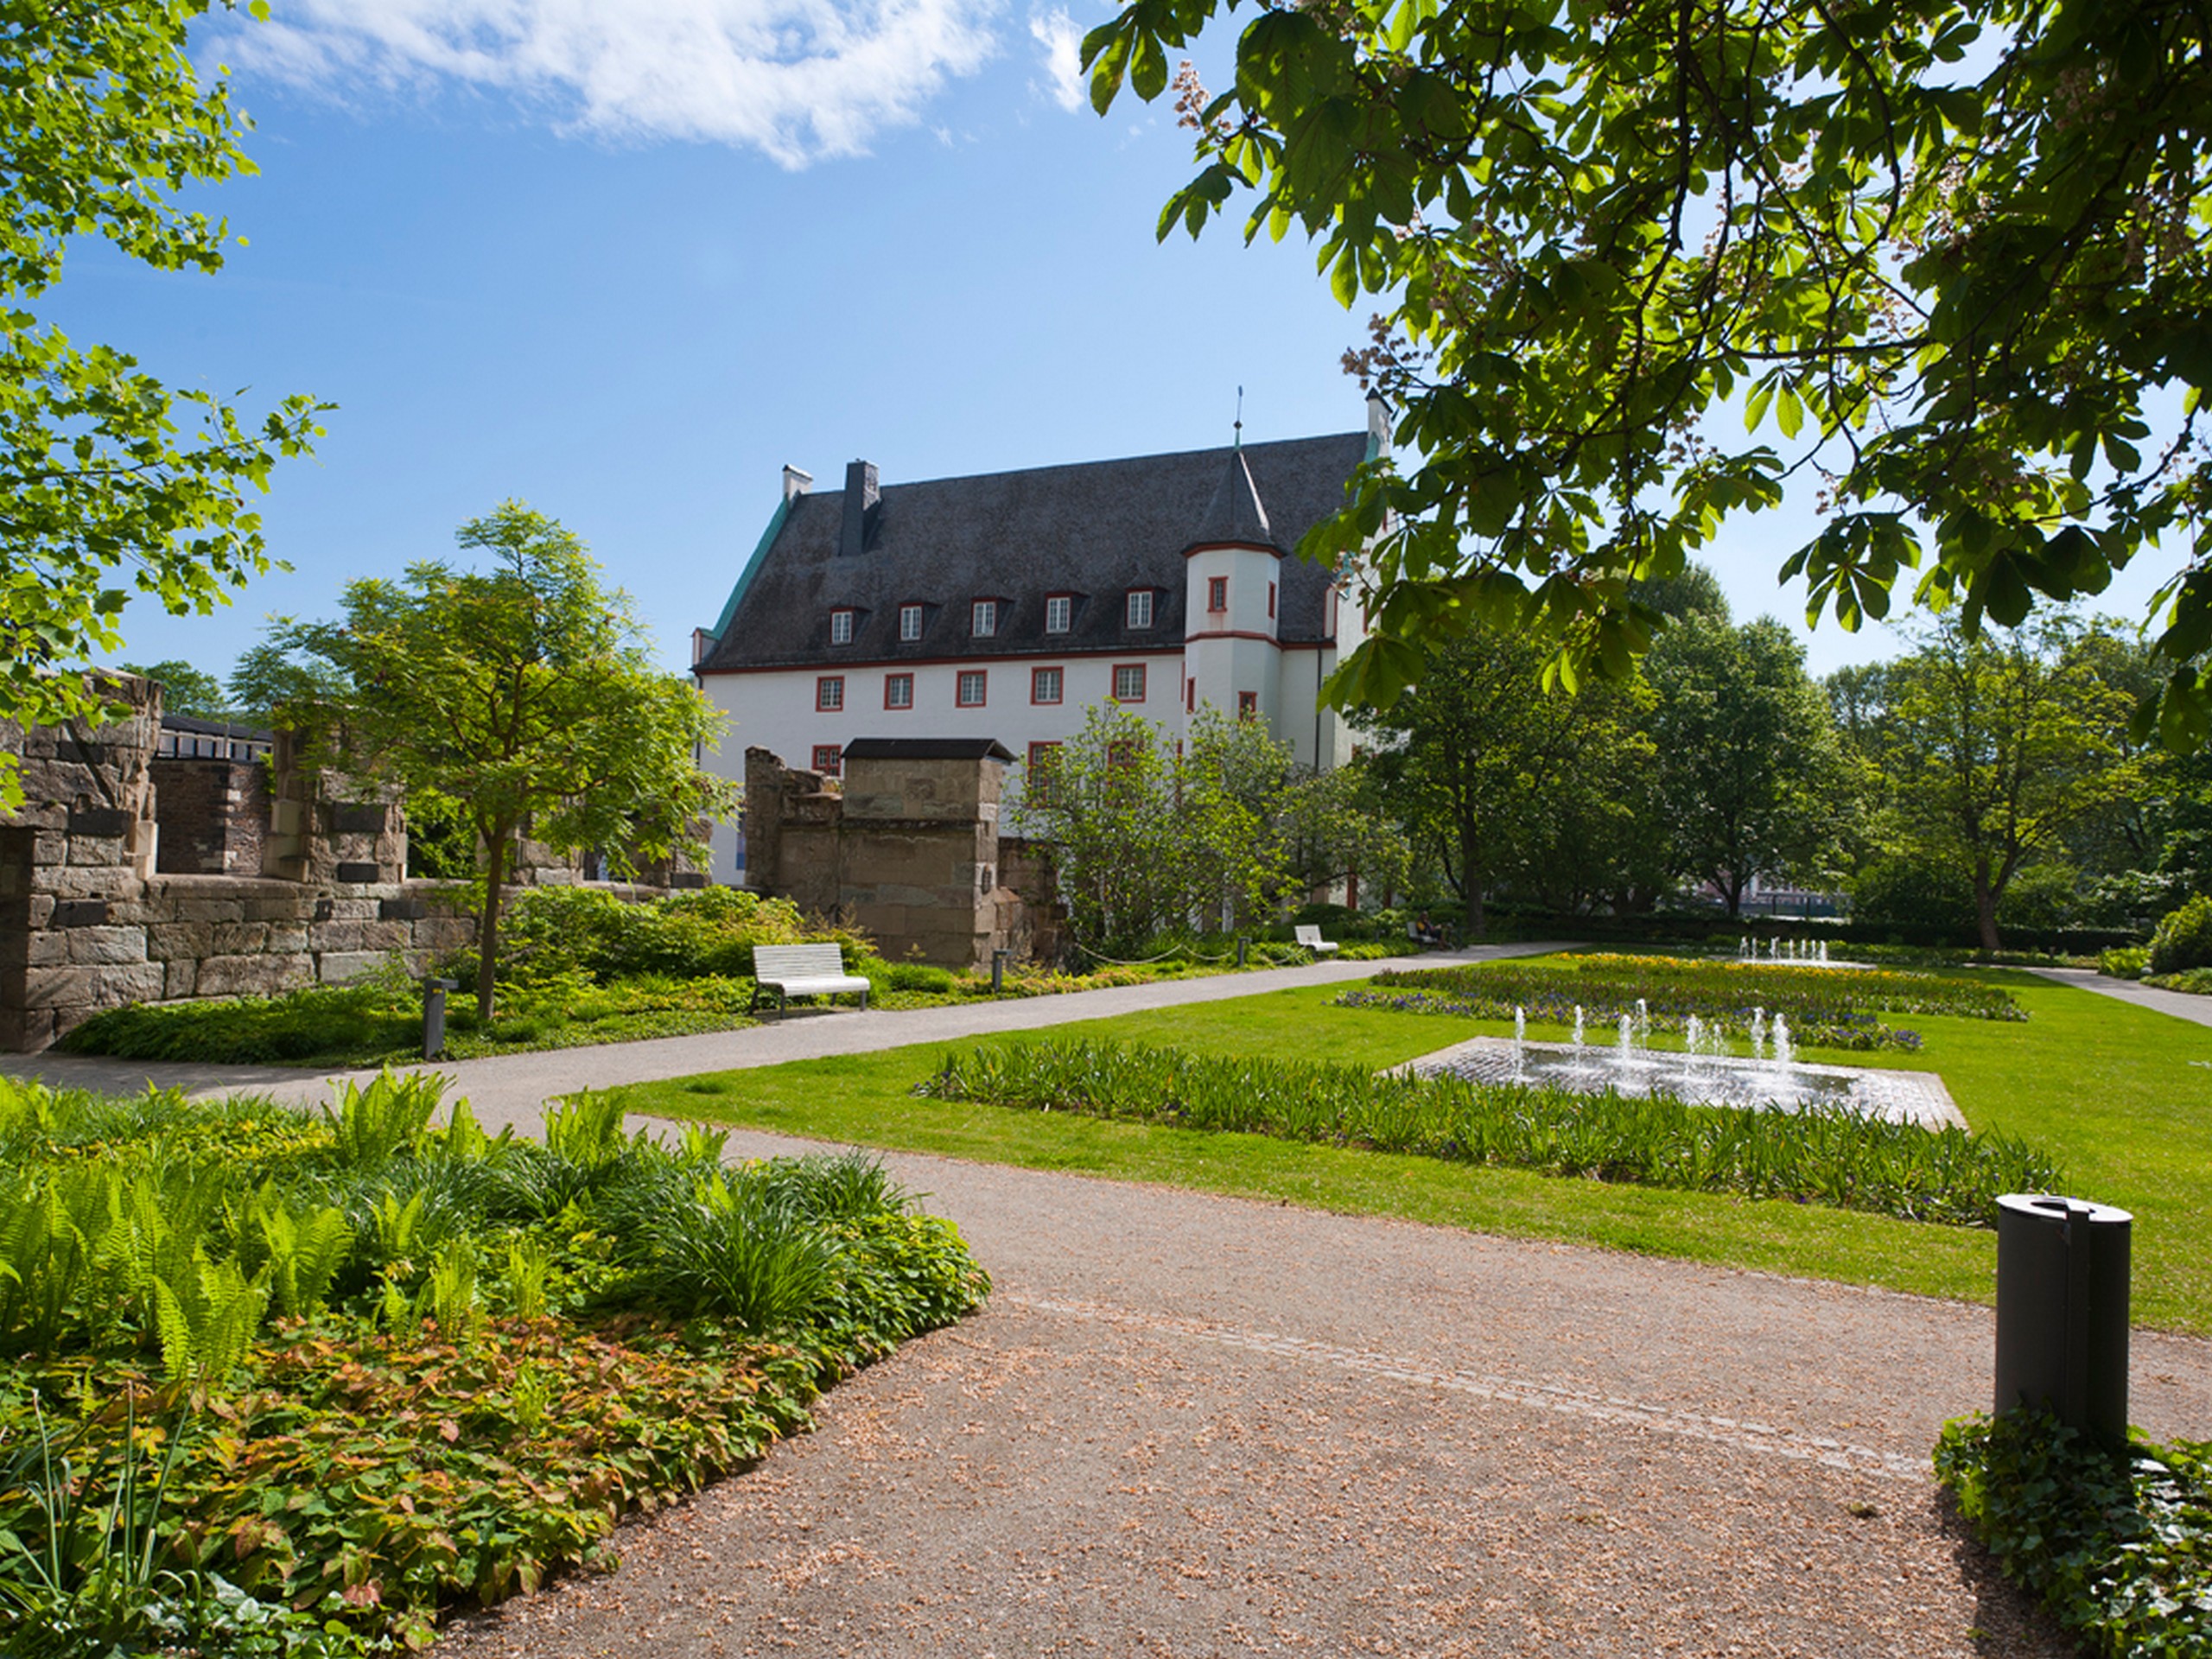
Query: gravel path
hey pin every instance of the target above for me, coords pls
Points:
(1189, 1425)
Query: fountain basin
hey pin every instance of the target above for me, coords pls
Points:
(1706, 1080)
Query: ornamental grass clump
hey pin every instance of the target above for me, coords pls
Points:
(399, 1363)
(1830, 1156)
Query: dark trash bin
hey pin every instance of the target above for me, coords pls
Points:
(2062, 1311)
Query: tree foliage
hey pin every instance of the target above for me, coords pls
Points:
(186, 689)
(1750, 778)
(1996, 746)
(110, 481)
(1151, 836)
(1497, 779)
(523, 694)
(1953, 252)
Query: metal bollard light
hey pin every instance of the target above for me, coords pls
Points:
(1242, 945)
(434, 1016)
(2062, 1311)
(998, 969)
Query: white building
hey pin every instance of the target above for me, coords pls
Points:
(1002, 605)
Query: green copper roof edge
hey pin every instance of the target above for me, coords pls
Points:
(752, 566)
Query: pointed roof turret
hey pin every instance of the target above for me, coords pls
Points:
(1235, 516)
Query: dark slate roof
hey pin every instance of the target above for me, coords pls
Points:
(1094, 529)
(1235, 514)
(239, 728)
(927, 748)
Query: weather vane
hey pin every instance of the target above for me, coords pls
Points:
(1240, 417)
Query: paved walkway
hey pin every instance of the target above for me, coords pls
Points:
(1186, 1424)
(513, 1088)
(2183, 1005)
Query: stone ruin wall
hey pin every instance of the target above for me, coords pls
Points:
(908, 851)
(128, 877)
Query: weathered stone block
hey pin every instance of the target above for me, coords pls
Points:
(99, 946)
(334, 967)
(237, 938)
(50, 847)
(294, 905)
(179, 978)
(101, 822)
(139, 982)
(358, 936)
(359, 872)
(254, 975)
(98, 849)
(199, 909)
(358, 819)
(354, 909)
(407, 907)
(80, 912)
(56, 987)
(174, 941)
(285, 937)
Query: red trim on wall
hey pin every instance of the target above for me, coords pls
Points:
(979, 659)
(1217, 547)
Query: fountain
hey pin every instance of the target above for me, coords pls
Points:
(1625, 1060)
(1785, 1051)
(1581, 1054)
(1520, 1042)
(1643, 1024)
(1759, 1033)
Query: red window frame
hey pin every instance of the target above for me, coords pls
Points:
(1271, 602)
(1217, 594)
(1248, 705)
(829, 759)
(981, 678)
(1037, 685)
(889, 680)
(1136, 668)
(1189, 696)
(1036, 784)
(830, 695)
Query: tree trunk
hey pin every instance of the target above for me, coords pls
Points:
(1985, 905)
(487, 926)
(1472, 890)
(1735, 896)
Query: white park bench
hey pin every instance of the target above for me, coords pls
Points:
(802, 970)
(1310, 937)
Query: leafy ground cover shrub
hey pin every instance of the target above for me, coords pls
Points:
(2184, 939)
(2119, 1548)
(2124, 961)
(2197, 980)
(1830, 1157)
(1829, 1007)
(391, 1365)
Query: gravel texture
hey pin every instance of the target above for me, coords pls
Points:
(1188, 1425)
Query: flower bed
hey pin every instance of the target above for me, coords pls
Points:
(345, 1372)
(1815, 1156)
(1829, 1007)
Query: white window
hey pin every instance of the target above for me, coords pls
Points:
(1059, 610)
(1128, 682)
(898, 690)
(841, 630)
(1044, 685)
(830, 693)
(972, 684)
(910, 622)
(1140, 608)
(984, 621)
(829, 759)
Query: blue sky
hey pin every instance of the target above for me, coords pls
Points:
(625, 259)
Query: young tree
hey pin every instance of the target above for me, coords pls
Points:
(1750, 778)
(524, 693)
(1491, 774)
(1996, 745)
(186, 689)
(1952, 249)
(109, 480)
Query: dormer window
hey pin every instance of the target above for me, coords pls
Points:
(983, 619)
(909, 624)
(1059, 611)
(1140, 610)
(841, 628)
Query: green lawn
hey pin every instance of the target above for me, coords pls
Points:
(2110, 1089)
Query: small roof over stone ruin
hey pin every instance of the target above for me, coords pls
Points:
(927, 748)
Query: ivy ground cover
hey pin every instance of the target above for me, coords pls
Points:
(289, 1383)
(1829, 1007)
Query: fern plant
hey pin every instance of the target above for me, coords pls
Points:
(369, 1126)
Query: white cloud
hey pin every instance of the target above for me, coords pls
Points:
(1055, 32)
(797, 79)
